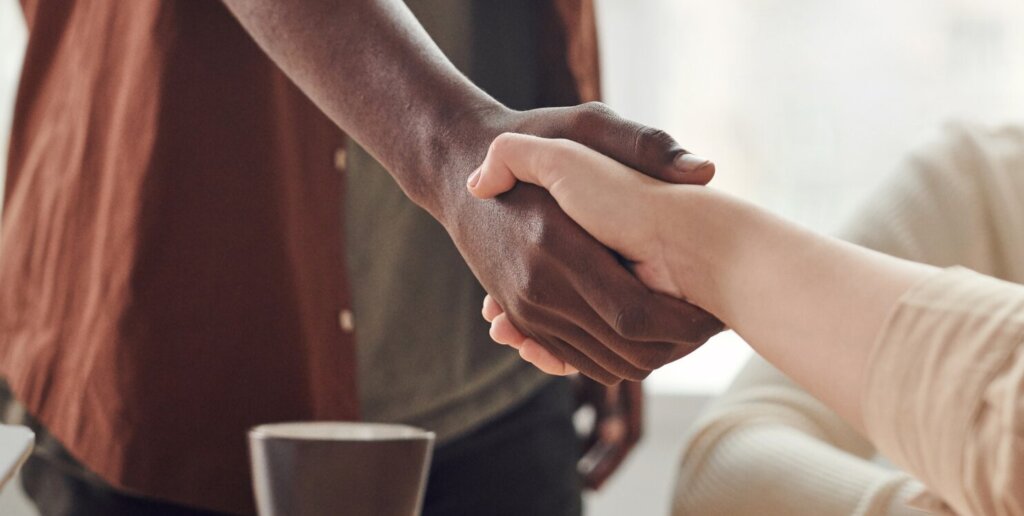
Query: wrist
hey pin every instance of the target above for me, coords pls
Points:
(703, 240)
(449, 152)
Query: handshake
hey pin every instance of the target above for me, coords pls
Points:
(614, 302)
(623, 261)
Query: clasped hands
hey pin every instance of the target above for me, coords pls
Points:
(633, 214)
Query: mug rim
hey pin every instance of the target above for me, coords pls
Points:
(339, 431)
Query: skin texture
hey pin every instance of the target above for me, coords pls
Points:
(433, 126)
(430, 128)
(810, 304)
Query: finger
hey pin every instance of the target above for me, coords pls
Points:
(495, 175)
(600, 346)
(510, 158)
(543, 301)
(542, 359)
(595, 360)
(504, 332)
(663, 317)
(575, 361)
(491, 178)
(609, 200)
(491, 308)
(607, 293)
(651, 151)
(646, 328)
(576, 334)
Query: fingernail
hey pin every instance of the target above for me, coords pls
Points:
(690, 163)
(474, 178)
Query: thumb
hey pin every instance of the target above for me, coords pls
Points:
(603, 196)
(559, 166)
(508, 161)
(650, 151)
(565, 168)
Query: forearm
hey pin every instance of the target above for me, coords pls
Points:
(370, 67)
(810, 304)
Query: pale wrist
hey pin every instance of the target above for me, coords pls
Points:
(703, 238)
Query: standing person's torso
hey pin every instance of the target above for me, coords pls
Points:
(171, 263)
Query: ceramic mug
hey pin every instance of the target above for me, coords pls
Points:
(332, 468)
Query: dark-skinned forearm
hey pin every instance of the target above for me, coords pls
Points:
(371, 67)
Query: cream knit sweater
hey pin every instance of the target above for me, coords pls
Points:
(768, 447)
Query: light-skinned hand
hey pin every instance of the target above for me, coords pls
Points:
(580, 180)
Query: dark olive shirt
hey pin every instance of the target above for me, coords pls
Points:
(172, 268)
(425, 355)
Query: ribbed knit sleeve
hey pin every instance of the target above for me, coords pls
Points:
(944, 395)
(767, 446)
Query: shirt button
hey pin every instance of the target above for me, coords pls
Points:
(341, 159)
(346, 322)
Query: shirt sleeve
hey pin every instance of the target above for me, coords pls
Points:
(944, 395)
(769, 447)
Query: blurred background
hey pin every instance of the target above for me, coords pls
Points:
(804, 105)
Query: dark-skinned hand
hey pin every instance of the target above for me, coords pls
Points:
(370, 67)
(553, 281)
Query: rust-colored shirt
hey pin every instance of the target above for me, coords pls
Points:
(171, 262)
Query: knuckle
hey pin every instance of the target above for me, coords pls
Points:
(653, 136)
(598, 108)
(631, 322)
(533, 295)
(591, 113)
(500, 145)
(518, 309)
(657, 141)
(535, 291)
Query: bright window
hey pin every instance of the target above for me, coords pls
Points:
(805, 104)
